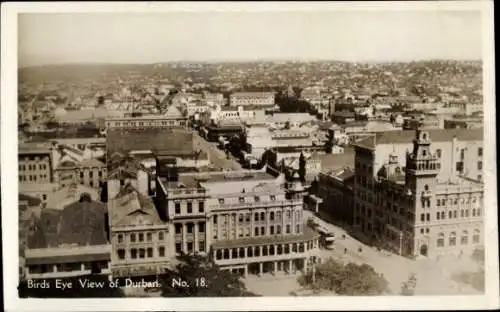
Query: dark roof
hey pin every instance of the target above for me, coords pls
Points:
(161, 140)
(274, 239)
(80, 223)
(32, 201)
(343, 114)
(436, 135)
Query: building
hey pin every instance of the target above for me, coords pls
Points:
(140, 240)
(422, 196)
(172, 118)
(69, 194)
(238, 114)
(70, 242)
(343, 117)
(336, 189)
(225, 130)
(247, 220)
(463, 123)
(35, 164)
(89, 172)
(265, 99)
(214, 99)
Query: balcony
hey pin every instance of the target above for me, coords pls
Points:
(426, 194)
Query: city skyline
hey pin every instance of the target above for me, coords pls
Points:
(248, 36)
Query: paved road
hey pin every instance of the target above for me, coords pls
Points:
(432, 277)
(217, 157)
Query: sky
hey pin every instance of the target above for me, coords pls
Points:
(53, 38)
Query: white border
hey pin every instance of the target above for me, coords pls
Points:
(10, 188)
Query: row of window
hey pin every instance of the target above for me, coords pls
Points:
(443, 202)
(270, 250)
(91, 174)
(258, 231)
(66, 267)
(242, 199)
(146, 123)
(464, 238)
(35, 158)
(32, 177)
(189, 227)
(33, 167)
(139, 237)
(189, 207)
(454, 214)
(261, 216)
(189, 247)
(141, 253)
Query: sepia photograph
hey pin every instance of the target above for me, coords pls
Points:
(268, 153)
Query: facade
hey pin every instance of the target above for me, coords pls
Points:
(252, 98)
(422, 202)
(35, 164)
(247, 221)
(463, 123)
(235, 114)
(172, 118)
(336, 189)
(139, 238)
(91, 172)
(213, 99)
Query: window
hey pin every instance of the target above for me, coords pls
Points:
(273, 197)
(428, 217)
(466, 213)
(476, 237)
(256, 216)
(142, 253)
(178, 228)
(201, 227)
(189, 207)
(256, 232)
(81, 175)
(278, 215)
(177, 208)
(161, 251)
(450, 214)
(271, 230)
(262, 230)
(443, 215)
(150, 252)
(297, 229)
(121, 254)
(478, 212)
(241, 199)
(201, 246)
(133, 253)
(422, 231)
(438, 202)
(201, 206)
(215, 219)
(256, 199)
(440, 240)
(178, 248)
(132, 238)
(160, 236)
(120, 238)
(262, 216)
(278, 229)
(288, 229)
(422, 217)
(190, 228)
(438, 153)
(149, 237)
(426, 187)
(141, 237)
(438, 215)
(480, 151)
(221, 201)
(464, 240)
(453, 239)
(271, 216)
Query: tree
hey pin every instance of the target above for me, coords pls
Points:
(350, 279)
(198, 270)
(302, 167)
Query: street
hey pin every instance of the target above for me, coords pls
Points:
(218, 158)
(433, 278)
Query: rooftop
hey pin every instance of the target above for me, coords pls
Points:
(154, 139)
(192, 180)
(30, 200)
(80, 223)
(130, 208)
(407, 136)
(337, 161)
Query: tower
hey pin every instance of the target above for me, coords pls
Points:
(422, 168)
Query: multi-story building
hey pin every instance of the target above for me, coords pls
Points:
(252, 98)
(172, 118)
(421, 197)
(248, 221)
(35, 163)
(336, 189)
(231, 113)
(463, 123)
(139, 238)
(89, 172)
(214, 99)
(69, 242)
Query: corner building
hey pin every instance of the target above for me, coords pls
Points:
(416, 203)
(250, 222)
